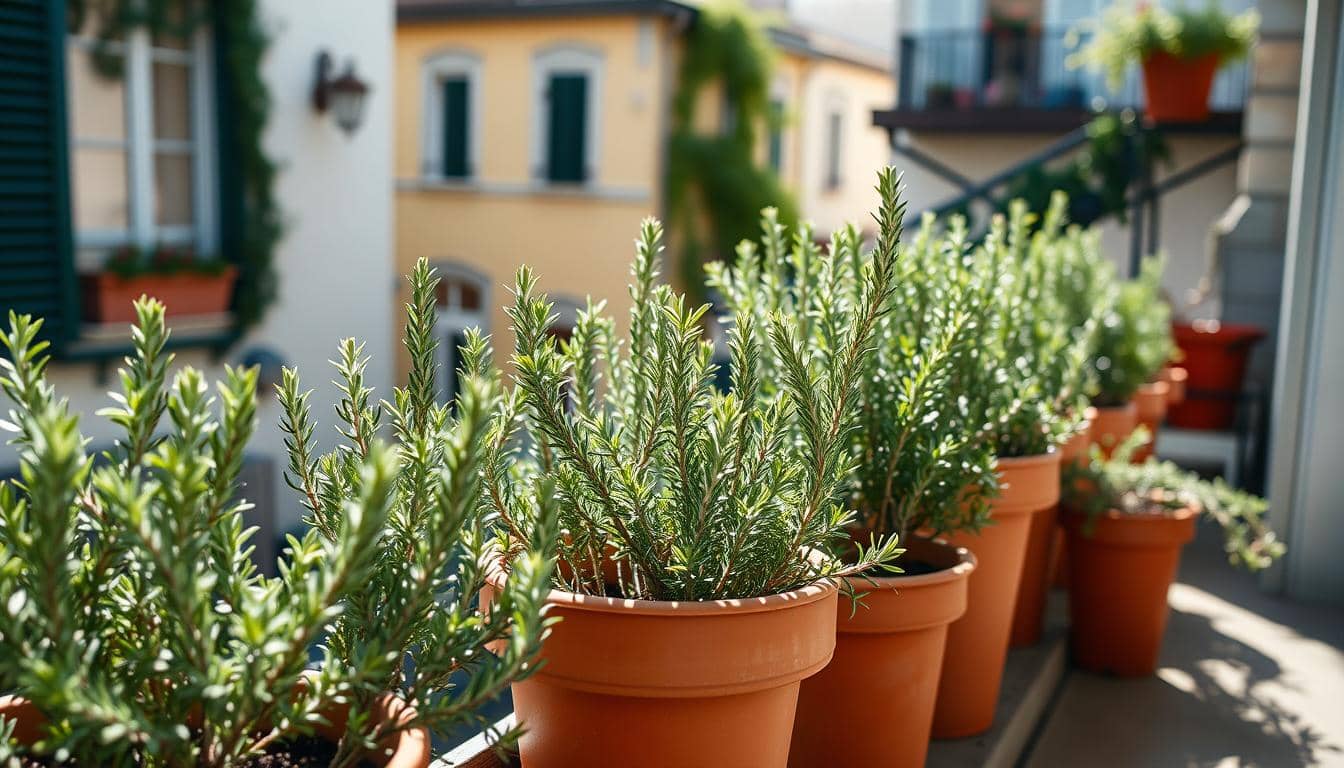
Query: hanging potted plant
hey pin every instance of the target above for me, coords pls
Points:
(135, 628)
(694, 581)
(912, 459)
(1179, 49)
(178, 277)
(1126, 525)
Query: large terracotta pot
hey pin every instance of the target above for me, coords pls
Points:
(1112, 425)
(652, 683)
(1215, 354)
(1176, 377)
(109, 298)
(888, 655)
(1178, 88)
(1120, 568)
(408, 749)
(977, 643)
(1150, 408)
(1074, 450)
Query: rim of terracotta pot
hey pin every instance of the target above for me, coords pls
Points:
(803, 595)
(1027, 499)
(888, 608)
(1215, 332)
(958, 562)
(1135, 529)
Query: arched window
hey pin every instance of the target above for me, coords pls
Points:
(462, 299)
(566, 124)
(451, 121)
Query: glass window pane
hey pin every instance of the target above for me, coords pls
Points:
(172, 101)
(97, 104)
(172, 190)
(100, 194)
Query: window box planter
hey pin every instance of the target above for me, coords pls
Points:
(109, 298)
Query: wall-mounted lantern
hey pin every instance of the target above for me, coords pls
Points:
(343, 94)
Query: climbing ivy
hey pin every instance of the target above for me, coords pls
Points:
(243, 43)
(716, 179)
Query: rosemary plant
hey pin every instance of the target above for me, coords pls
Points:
(1159, 487)
(669, 489)
(1133, 340)
(135, 620)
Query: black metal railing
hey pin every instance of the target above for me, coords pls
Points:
(1023, 68)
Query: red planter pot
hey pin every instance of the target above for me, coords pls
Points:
(1178, 89)
(1119, 572)
(1150, 405)
(109, 298)
(1215, 355)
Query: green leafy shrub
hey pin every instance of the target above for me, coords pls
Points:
(1130, 32)
(1133, 339)
(136, 621)
(1158, 487)
(669, 489)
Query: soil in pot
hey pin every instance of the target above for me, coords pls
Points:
(652, 683)
(1112, 425)
(888, 657)
(977, 643)
(1150, 408)
(1177, 89)
(1120, 568)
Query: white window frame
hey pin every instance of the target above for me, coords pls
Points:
(139, 55)
(439, 66)
(453, 318)
(836, 106)
(567, 58)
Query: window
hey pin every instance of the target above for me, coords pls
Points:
(776, 147)
(452, 115)
(834, 126)
(141, 166)
(461, 299)
(566, 130)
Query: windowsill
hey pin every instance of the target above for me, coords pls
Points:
(524, 189)
(104, 344)
(1021, 119)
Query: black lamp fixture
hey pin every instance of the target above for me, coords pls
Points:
(343, 94)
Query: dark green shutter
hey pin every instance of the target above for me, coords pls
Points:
(455, 127)
(37, 274)
(566, 152)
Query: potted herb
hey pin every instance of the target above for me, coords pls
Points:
(189, 283)
(913, 461)
(694, 580)
(1126, 524)
(135, 628)
(1180, 50)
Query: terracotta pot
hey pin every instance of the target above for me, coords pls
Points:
(1119, 572)
(1176, 377)
(1215, 355)
(977, 643)
(1112, 425)
(888, 655)
(1075, 449)
(652, 683)
(1177, 89)
(410, 748)
(1150, 408)
(109, 298)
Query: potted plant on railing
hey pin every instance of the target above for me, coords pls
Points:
(1126, 526)
(187, 282)
(135, 628)
(1180, 50)
(913, 460)
(694, 580)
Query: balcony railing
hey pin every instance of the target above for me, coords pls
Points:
(1022, 68)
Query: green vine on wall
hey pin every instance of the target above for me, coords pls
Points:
(716, 179)
(243, 43)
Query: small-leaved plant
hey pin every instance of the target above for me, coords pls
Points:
(135, 620)
(1133, 339)
(668, 488)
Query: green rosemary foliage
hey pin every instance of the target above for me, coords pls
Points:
(131, 597)
(1134, 337)
(669, 489)
(1157, 487)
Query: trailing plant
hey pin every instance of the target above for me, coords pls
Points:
(136, 622)
(131, 261)
(668, 488)
(716, 179)
(917, 462)
(1160, 487)
(1130, 32)
(1133, 339)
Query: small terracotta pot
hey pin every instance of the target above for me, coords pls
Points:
(652, 683)
(1178, 88)
(1074, 450)
(888, 655)
(409, 748)
(1119, 572)
(1112, 425)
(1176, 377)
(1150, 406)
(977, 643)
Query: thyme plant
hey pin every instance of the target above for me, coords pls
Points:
(1133, 340)
(669, 489)
(136, 621)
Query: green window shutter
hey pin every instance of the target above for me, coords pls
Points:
(37, 271)
(455, 127)
(567, 129)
